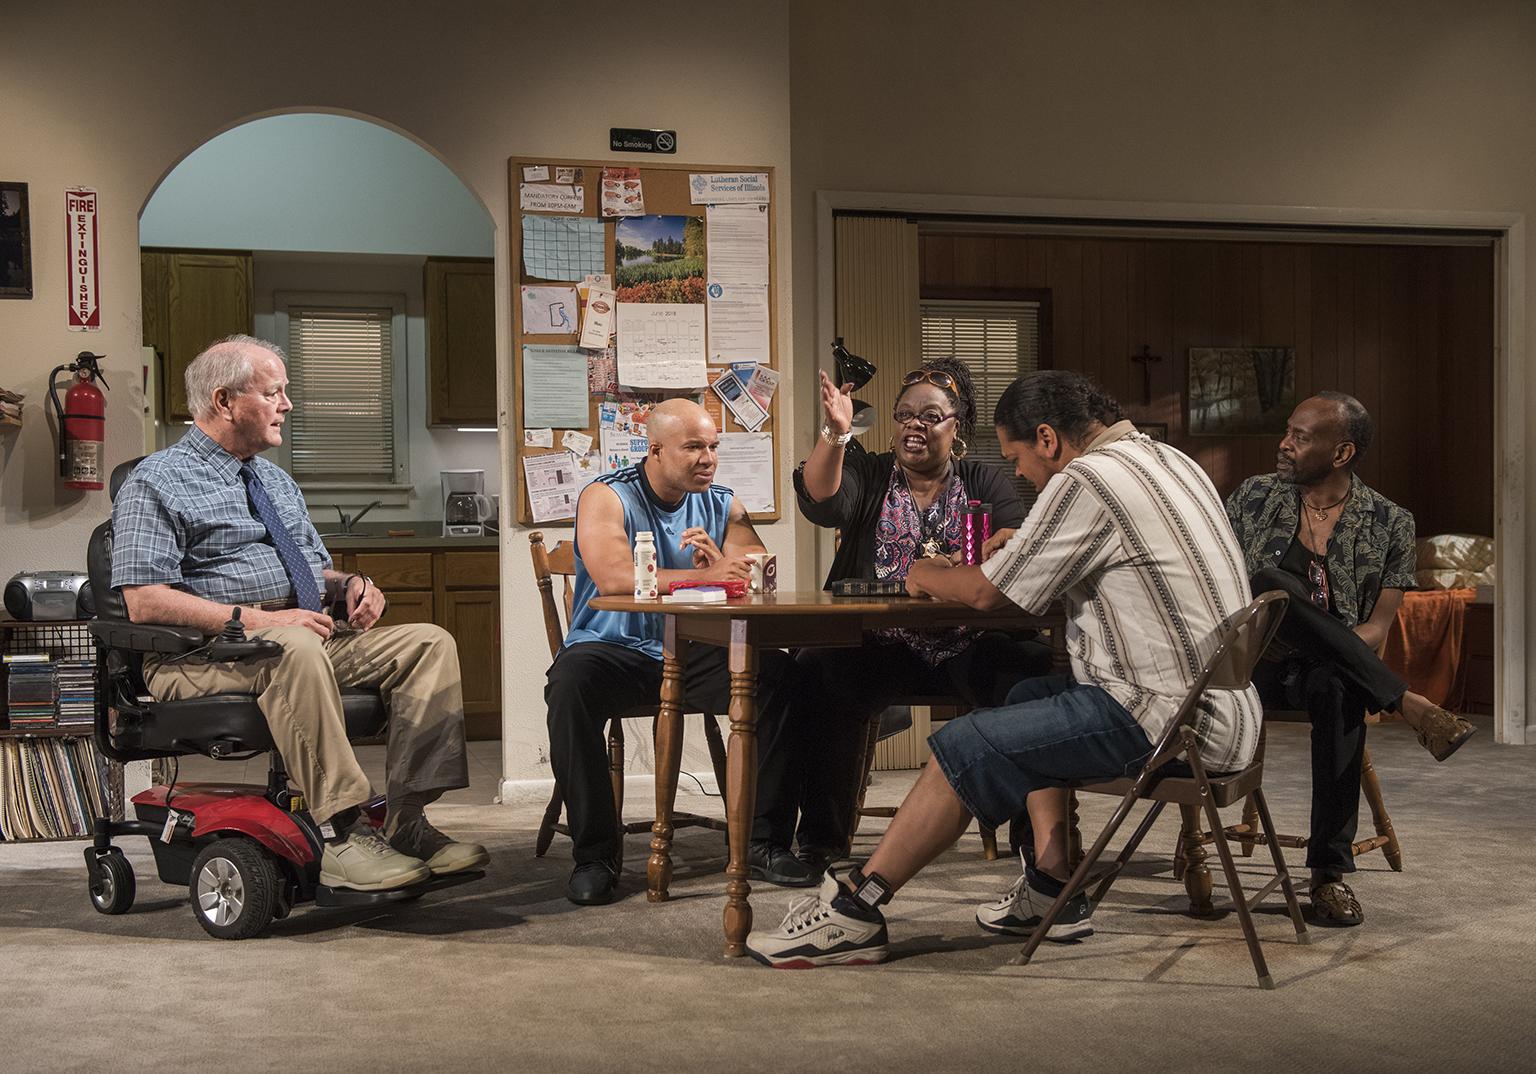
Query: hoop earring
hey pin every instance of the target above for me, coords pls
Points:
(958, 449)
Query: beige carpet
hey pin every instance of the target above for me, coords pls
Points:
(504, 975)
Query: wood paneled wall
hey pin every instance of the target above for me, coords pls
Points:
(1407, 329)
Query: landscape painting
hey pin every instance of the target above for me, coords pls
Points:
(659, 259)
(1239, 390)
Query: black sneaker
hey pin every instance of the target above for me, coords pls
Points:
(1023, 906)
(825, 929)
(777, 865)
(592, 883)
(819, 859)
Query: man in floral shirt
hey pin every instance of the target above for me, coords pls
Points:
(1345, 554)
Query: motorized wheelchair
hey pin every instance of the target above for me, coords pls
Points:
(248, 853)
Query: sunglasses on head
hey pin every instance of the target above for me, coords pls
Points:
(937, 377)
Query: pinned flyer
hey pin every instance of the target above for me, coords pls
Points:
(623, 194)
(552, 486)
(535, 173)
(551, 198)
(730, 388)
(598, 318)
(539, 438)
(569, 175)
(578, 444)
(723, 188)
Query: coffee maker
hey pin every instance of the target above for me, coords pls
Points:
(466, 507)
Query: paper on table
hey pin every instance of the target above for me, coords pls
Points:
(552, 486)
(535, 173)
(736, 240)
(563, 247)
(738, 323)
(746, 409)
(549, 311)
(746, 468)
(554, 387)
(661, 345)
(539, 437)
(723, 187)
(598, 318)
(551, 198)
(577, 444)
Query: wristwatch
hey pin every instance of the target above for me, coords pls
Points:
(835, 439)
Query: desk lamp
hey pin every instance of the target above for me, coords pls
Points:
(851, 369)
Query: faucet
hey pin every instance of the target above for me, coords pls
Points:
(348, 521)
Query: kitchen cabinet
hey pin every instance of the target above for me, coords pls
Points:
(190, 299)
(457, 590)
(461, 341)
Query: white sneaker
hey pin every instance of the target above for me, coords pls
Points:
(819, 931)
(365, 862)
(1023, 906)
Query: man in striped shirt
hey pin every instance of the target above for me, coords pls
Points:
(1132, 537)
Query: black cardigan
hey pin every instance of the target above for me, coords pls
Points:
(855, 509)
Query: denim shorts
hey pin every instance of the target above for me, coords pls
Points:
(1049, 731)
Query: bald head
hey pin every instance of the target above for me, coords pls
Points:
(675, 419)
(684, 442)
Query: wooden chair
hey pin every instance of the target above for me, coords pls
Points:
(872, 738)
(1230, 668)
(1189, 861)
(561, 560)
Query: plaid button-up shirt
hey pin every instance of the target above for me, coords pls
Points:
(183, 519)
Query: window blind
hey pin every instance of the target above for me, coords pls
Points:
(341, 371)
(999, 341)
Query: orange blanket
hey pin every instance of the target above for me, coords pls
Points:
(1424, 644)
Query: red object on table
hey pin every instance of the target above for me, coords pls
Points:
(734, 587)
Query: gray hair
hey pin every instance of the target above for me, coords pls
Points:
(224, 363)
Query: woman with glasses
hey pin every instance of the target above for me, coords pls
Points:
(892, 508)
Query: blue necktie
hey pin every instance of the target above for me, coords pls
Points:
(305, 593)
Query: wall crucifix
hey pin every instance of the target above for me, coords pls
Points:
(1145, 360)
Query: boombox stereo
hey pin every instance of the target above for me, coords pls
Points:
(49, 595)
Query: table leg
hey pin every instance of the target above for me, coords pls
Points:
(669, 758)
(741, 779)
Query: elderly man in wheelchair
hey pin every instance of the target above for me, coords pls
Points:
(207, 537)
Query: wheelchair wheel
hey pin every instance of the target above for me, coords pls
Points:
(234, 888)
(111, 882)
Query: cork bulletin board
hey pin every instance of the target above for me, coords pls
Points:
(547, 253)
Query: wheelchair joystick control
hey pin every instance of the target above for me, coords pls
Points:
(232, 644)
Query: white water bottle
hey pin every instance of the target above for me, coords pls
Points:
(645, 566)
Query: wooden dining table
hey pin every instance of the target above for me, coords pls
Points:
(744, 626)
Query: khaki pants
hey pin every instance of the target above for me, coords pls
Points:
(415, 668)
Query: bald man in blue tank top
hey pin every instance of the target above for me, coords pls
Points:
(611, 661)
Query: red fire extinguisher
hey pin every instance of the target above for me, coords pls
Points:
(82, 421)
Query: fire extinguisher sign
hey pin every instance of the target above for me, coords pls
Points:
(84, 268)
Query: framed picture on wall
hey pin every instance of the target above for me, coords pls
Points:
(1240, 390)
(1157, 430)
(15, 242)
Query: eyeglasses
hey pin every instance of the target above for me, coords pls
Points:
(1317, 574)
(937, 377)
(927, 418)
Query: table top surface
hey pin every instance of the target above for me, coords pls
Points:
(813, 602)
